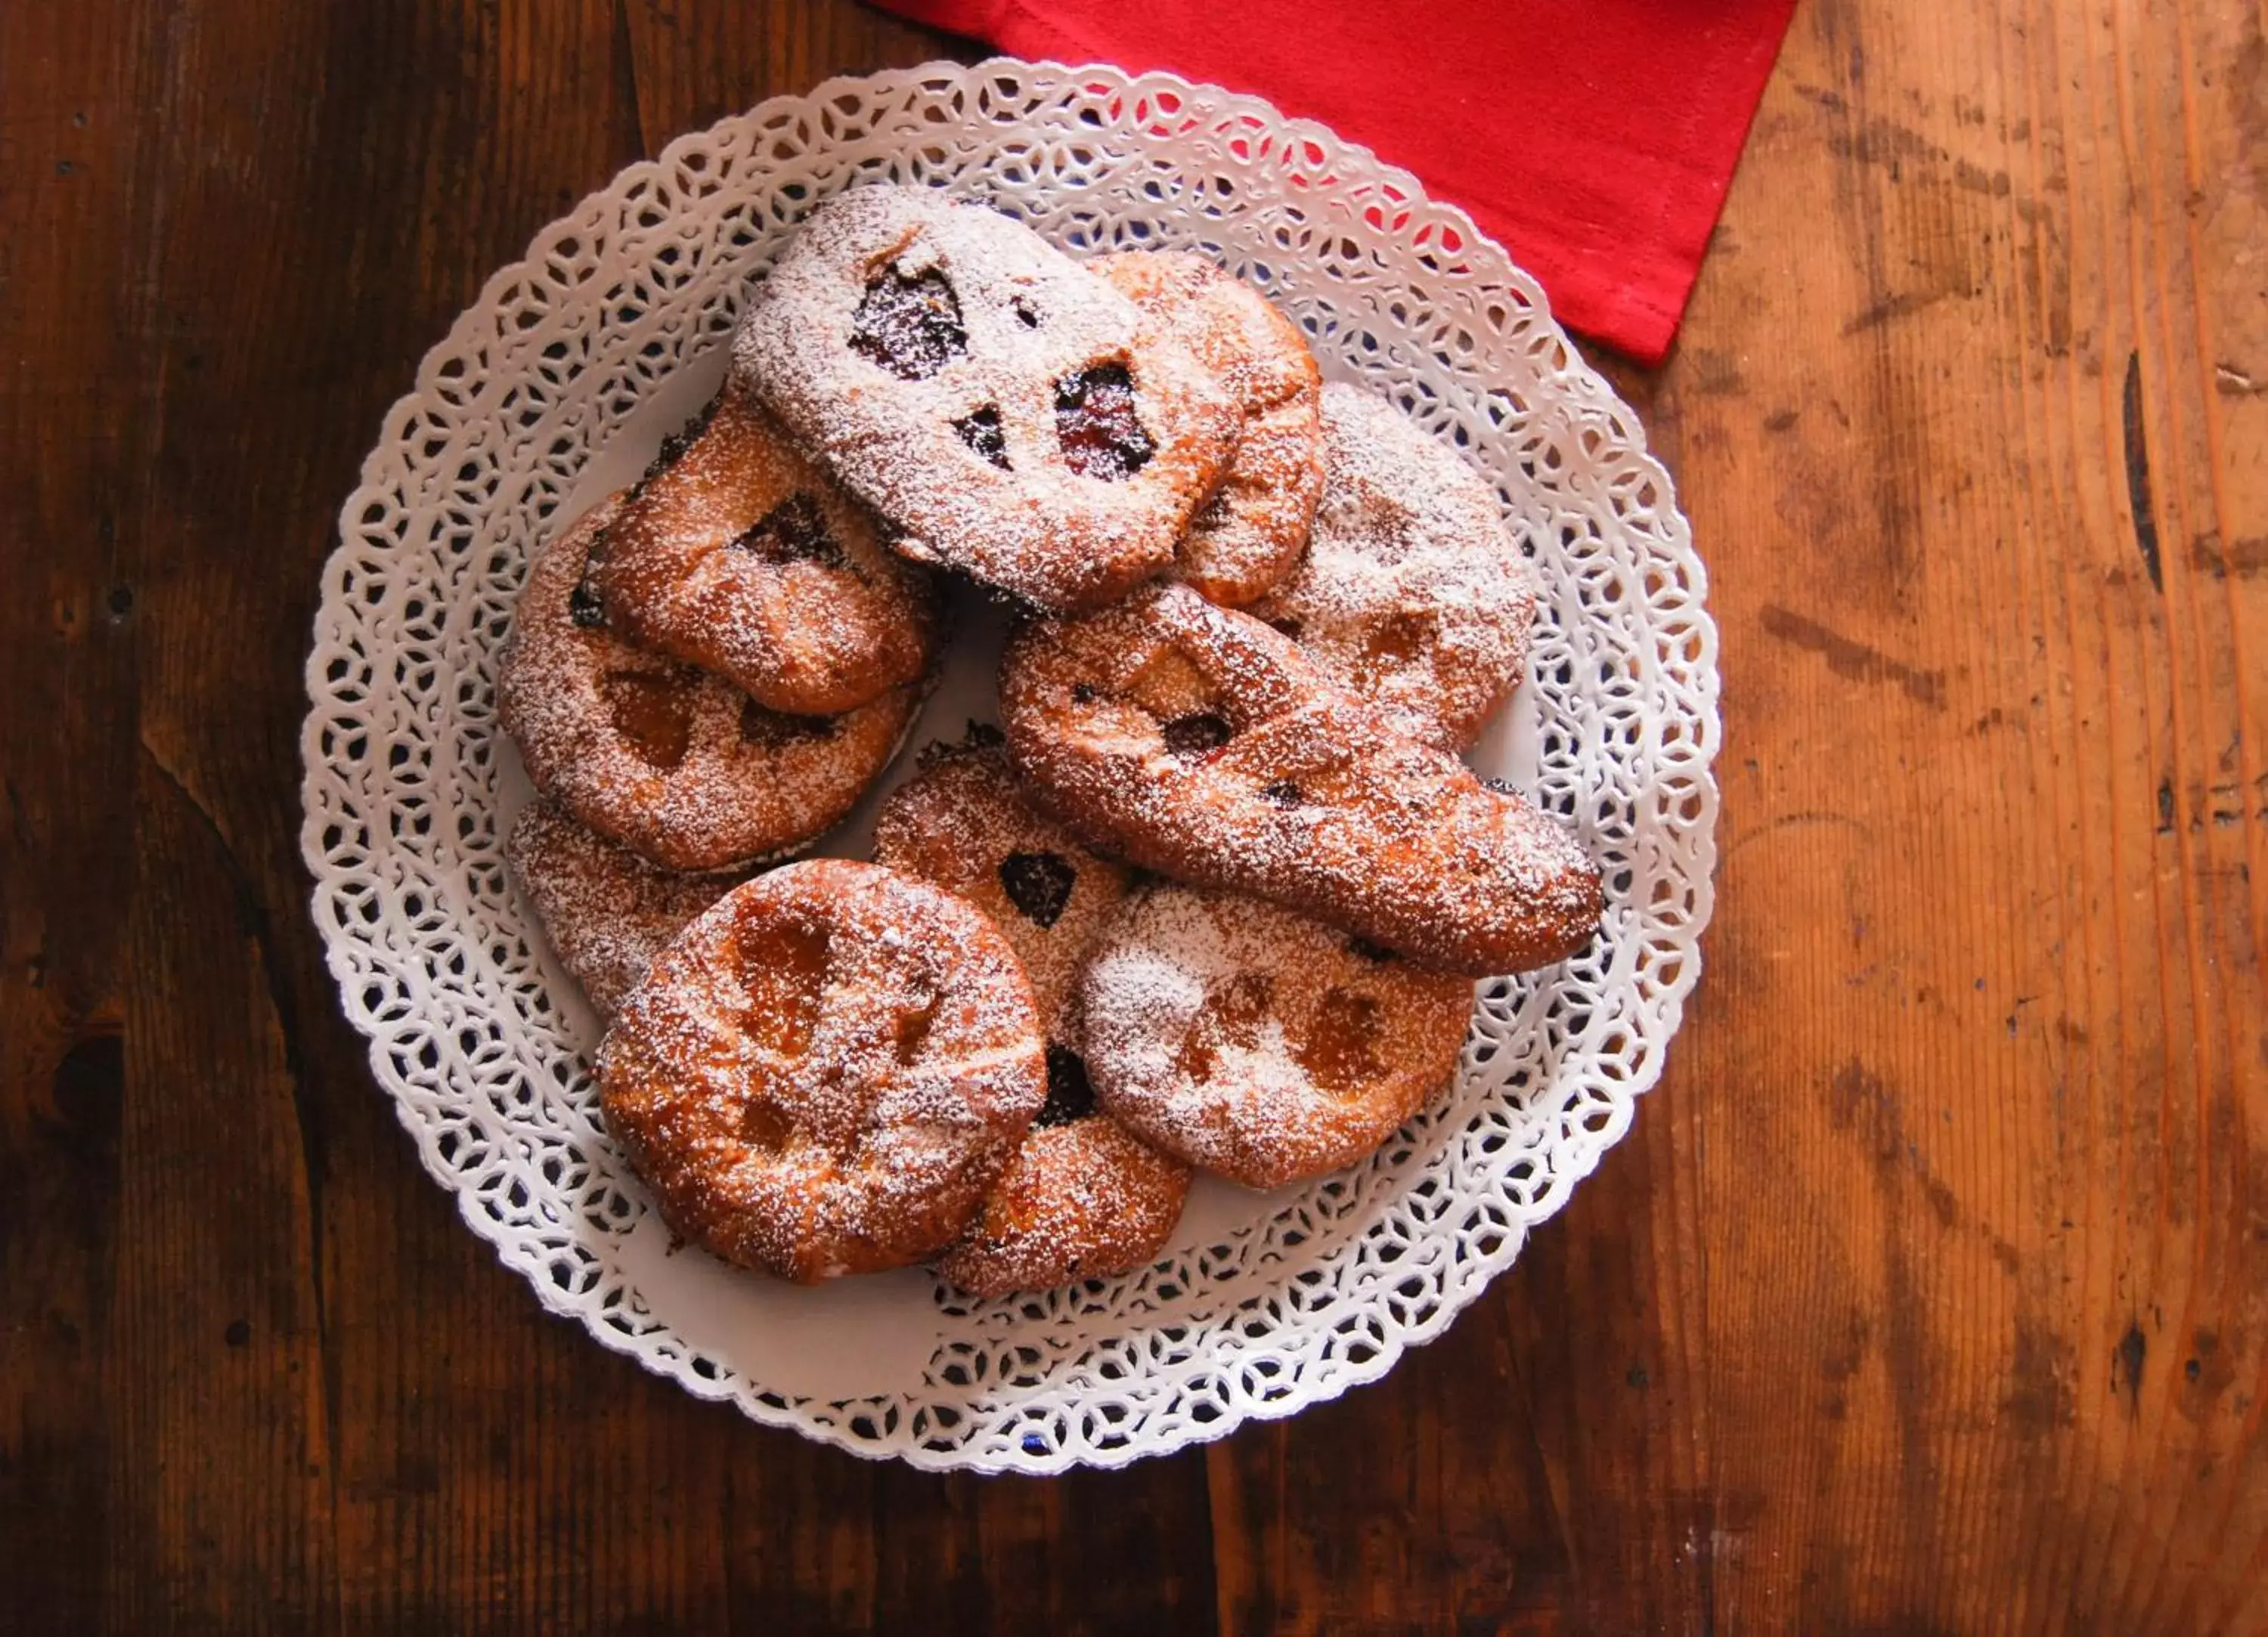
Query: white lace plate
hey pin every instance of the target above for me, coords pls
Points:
(556, 385)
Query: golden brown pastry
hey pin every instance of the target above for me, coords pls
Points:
(1082, 1198)
(1259, 1044)
(1413, 592)
(740, 556)
(676, 764)
(825, 1072)
(1012, 415)
(1251, 533)
(606, 912)
(1196, 741)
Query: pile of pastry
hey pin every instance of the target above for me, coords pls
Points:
(1211, 895)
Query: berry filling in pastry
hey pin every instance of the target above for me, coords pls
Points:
(1101, 437)
(911, 326)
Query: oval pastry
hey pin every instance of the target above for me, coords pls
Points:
(1259, 1044)
(1012, 415)
(676, 764)
(824, 1073)
(1081, 1198)
(1413, 592)
(740, 556)
(1251, 533)
(1197, 741)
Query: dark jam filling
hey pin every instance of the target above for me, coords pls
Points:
(1282, 793)
(1095, 423)
(1038, 885)
(1376, 953)
(911, 326)
(1070, 1096)
(1196, 733)
(584, 605)
(980, 430)
(793, 530)
(772, 730)
(674, 447)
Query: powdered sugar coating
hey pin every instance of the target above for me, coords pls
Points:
(1080, 1199)
(1195, 740)
(606, 912)
(674, 763)
(812, 626)
(1033, 319)
(1412, 593)
(1260, 1044)
(1251, 533)
(958, 823)
(825, 1072)
(1321, 1291)
(1087, 1200)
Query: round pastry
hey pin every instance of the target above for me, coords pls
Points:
(1012, 415)
(740, 556)
(606, 912)
(1252, 531)
(676, 764)
(1196, 741)
(1081, 1198)
(962, 823)
(825, 1072)
(1413, 592)
(1258, 1044)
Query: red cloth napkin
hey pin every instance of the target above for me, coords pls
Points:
(1594, 138)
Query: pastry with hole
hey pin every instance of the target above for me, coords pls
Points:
(825, 1072)
(738, 555)
(1413, 592)
(1196, 741)
(1251, 533)
(1259, 1044)
(1013, 417)
(676, 764)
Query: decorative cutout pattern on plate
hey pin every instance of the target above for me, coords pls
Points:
(433, 954)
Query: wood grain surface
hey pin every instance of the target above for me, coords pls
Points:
(1929, 1293)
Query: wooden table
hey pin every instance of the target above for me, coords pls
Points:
(1929, 1293)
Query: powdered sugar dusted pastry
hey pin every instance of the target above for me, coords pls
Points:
(740, 556)
(824, 1073)
(1081, 1198)
(677, 764)
(1253, 530)
(606, 912)
(1259, 1044)
(1197, 741)
(1413, 592)
(1011, 415)
(962, 823)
